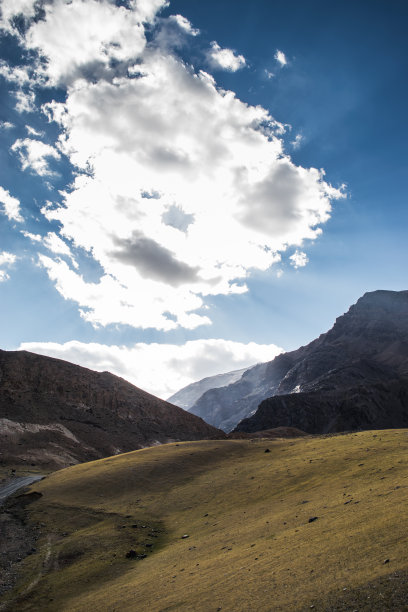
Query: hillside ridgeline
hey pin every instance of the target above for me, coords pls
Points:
(54, 413)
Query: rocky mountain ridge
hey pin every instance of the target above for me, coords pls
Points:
(55, 413)
(367, 346)
(187, 396)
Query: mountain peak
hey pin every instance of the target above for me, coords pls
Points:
(367, 343)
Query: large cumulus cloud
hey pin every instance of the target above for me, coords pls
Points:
(181, 189)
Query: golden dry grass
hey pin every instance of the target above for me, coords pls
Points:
(246, 512)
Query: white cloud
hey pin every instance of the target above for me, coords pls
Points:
(33, 132)
(172, 32)
(11, 8)
(56, 245)
(269, 74)
(83, 36)
(33, 237)
(11, 206)
(184, 24)
(14, 74)
(53, 243)
(180, 189)
(6, 259)
(280, 57)
(25, 101)
(34, 154)
(298, 259)
(225, 58)
(6, 125)
(161, 369)
(297, 141)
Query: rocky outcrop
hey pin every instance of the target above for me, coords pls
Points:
(369, 406)
(55, 413)
(366, 346)
(353, 377)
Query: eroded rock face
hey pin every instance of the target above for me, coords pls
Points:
(366, 346)
(55, 413)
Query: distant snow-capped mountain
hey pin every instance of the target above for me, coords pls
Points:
(187, 397)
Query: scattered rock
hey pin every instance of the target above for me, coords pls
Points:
(386, 561)
(267, 450)
(132, 554)
(312, 519)
(183, 537)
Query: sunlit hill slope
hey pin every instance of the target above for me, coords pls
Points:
(315, 522)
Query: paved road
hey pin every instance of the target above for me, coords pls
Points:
(15, 485)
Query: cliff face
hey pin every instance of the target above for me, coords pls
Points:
(353, 377)
(53, 412)
(368, 344)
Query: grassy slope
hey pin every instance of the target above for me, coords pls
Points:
(255, 551)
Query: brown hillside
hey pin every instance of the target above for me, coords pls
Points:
(54, 413)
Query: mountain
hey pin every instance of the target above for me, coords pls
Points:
(187, 396)
(55, 413)
(352, 377)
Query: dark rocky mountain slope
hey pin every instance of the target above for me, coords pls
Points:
(55, 413)
(355, 376)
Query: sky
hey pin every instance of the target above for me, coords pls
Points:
(189, 188)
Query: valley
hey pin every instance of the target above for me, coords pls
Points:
(285, 524)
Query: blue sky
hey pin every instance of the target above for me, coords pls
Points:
(154, 225)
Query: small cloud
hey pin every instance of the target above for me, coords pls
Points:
(173, 31)
(25, 101)
(298, 259)
(6, 259)
(33, 132)
(11, 206)
(280, 57)
(16, 74)
(269, 74)
(297, 141)
(34, 154)
(225, 58)
(279, 273)
(33, 237)
(184, 24)
(6, 125)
